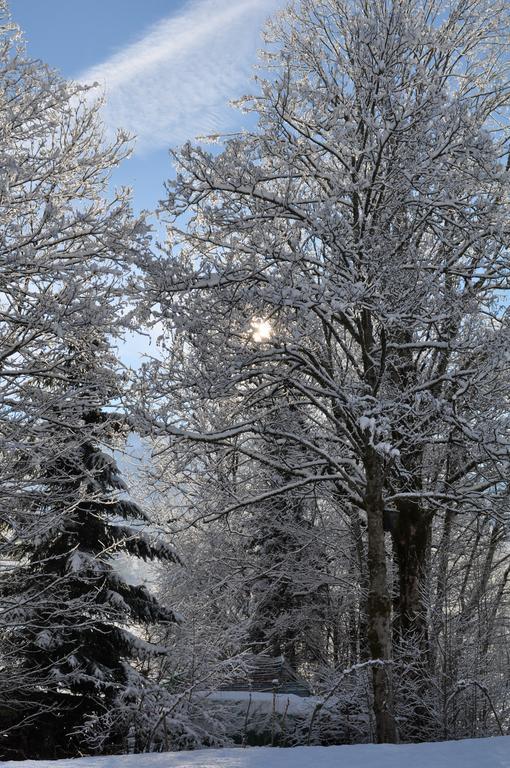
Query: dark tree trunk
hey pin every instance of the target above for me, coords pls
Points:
(379, 602)
(411, 536)
(410, 542)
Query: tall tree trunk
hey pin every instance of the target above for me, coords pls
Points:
(379, 602)
(411, 536)
(410, 539)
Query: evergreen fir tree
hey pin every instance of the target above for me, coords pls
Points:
(73, 612)
(68, 646)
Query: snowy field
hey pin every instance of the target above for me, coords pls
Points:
(472, 753)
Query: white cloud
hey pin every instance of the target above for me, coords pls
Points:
(176, 81)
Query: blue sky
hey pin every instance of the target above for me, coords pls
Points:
(168, 67)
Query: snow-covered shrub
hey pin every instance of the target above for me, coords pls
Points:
(145, 717)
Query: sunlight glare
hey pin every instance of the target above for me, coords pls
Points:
(261, 330)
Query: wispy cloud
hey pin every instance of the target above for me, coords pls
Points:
(176, 81)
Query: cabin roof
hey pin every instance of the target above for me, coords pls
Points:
(268, 673)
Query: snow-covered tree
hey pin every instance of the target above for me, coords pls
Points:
(351, 250)
(70, 612)
(67, 641)
(286, 566)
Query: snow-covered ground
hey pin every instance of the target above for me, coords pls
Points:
(472, 753)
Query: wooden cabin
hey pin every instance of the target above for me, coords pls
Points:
(268, 674)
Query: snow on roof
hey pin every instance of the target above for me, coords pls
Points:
(262, 701)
